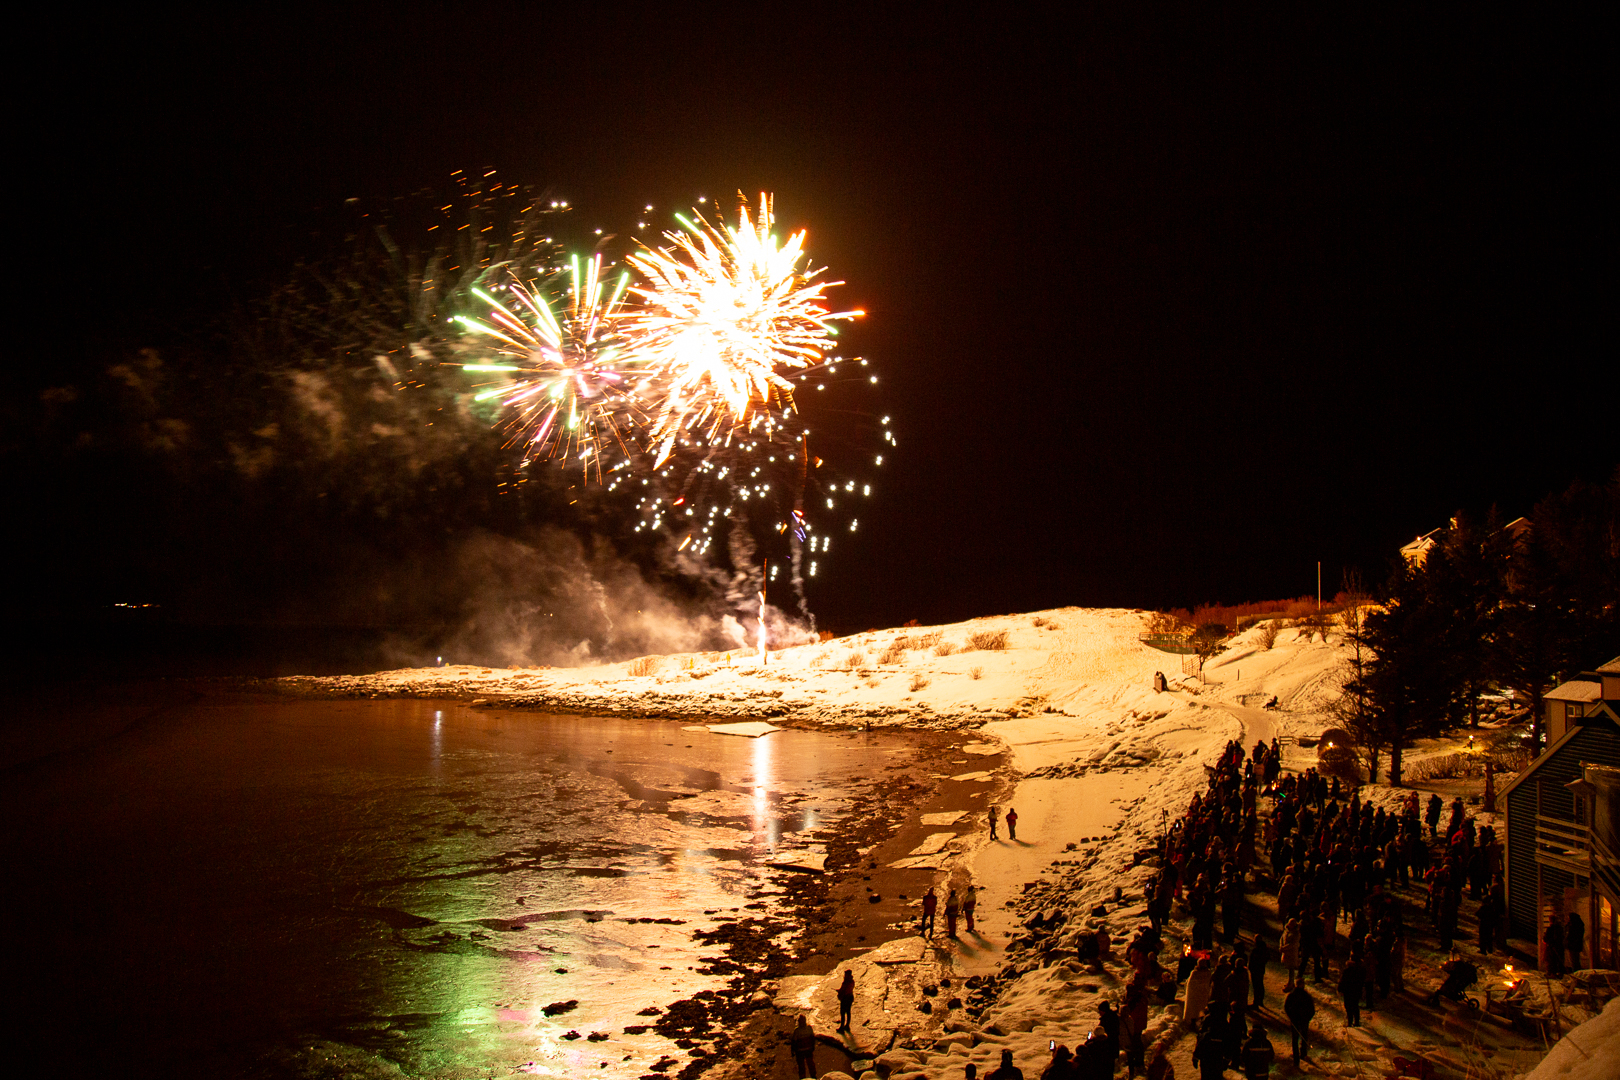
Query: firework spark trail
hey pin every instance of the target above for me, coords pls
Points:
(571, 380)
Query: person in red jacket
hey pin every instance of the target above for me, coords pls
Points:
(1012, 824)
(930, 904)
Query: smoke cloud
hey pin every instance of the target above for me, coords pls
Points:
(552, 598)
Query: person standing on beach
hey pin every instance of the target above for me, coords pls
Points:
(1199, 985)
(1211, 1053)
(952, 909)
(930, 904)
(1258, 956)
(968, 906)
(804, 1049)
(1300, 1007)
(994, 817)
(1012, 824)
(846, 999)
(1352, 981)
(1258, 1055)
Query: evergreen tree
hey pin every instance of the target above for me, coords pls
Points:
(1413, 681)
(1468, 585)
(1562, 608)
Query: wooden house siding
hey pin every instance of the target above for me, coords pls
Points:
(1541, 790)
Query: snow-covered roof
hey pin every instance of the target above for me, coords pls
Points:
(1576, 690)
(1418, 549)
(1611, 668)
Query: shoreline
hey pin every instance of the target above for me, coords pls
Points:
(647, 705)
(879, 940)
(830, 916)
(1065, 714)
(836, 920)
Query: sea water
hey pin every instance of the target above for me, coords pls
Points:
(264, 886)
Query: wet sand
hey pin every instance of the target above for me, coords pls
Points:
(844, 919)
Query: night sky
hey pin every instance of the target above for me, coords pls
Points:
(1168, 306)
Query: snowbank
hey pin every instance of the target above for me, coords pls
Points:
(1589, 1052)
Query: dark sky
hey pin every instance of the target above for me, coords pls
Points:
(1169, 305)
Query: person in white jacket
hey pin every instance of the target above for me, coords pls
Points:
(1199, 984)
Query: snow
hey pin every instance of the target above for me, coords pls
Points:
(750, 729)
(1589, 1052)
(1070, 732)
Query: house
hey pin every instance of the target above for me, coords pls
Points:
(1599, 788)
(1416, 551)
(1567, 704)
(1563, 814)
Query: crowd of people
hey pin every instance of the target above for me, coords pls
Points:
(1336, 865)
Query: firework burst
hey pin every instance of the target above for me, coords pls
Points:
(726, 314)
(568, 382)
(677, 390)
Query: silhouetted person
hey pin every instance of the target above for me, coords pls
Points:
(1311, 949)
(1006, 1070)
(1299, 1007)
(1258, 956)
(930, 905)
(846, 999)
(1108, 1020)
(1574, 939)
(1552, 941)
(804, 1049)
(1213, 1050)
(1257, 1054)
(1351, 983)
(1061, 1067)
(969, 904)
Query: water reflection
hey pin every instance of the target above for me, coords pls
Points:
(437, 741)
(765, 825)
(411, 881)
